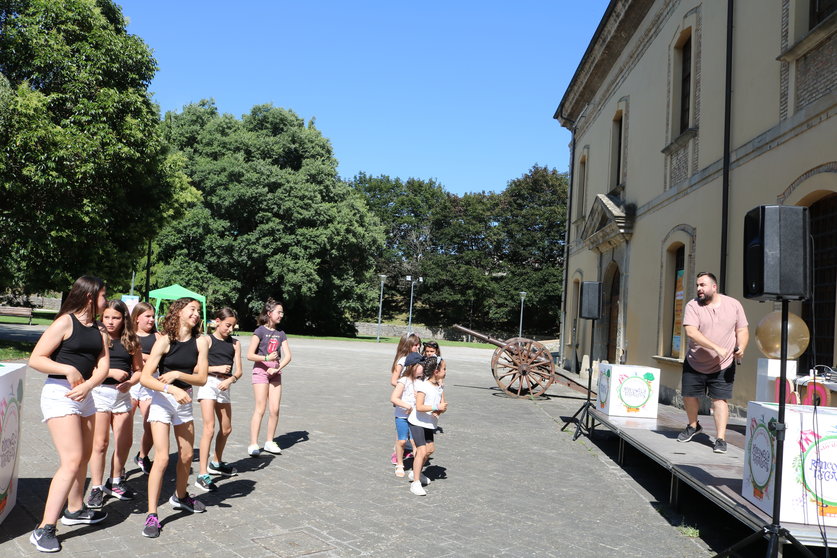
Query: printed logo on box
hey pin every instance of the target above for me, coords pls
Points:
(9, 433)
(604, 386)
(819, 474)
(635, 391)
(762, 458)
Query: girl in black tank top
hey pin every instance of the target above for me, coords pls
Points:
(72, 352)
(113, 406)
(180, 357)
(214, 398)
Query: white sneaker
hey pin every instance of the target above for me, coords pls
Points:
(272, 447)
(424, 480)
(415, 488)
(254, 450)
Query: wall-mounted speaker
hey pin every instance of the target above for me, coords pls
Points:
(591, 300)
(777, 253)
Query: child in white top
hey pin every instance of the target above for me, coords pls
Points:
(430, 403)
(404, 398)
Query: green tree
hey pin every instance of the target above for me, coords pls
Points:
(84, 176)
(274, 220)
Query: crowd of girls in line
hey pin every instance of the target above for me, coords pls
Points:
(418, 398)
(99, 373)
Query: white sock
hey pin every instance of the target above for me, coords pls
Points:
(116, 480)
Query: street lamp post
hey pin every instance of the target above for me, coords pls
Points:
(380, 305)
(409, 279)
(522, 298)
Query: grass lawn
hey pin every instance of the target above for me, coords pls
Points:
(15, 350)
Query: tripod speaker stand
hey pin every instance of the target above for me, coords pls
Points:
(776, 268)
(591, 309)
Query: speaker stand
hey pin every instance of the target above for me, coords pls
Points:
(774, 531)
(584, 422)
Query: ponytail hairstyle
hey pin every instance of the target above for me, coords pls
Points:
(269, 305)
(433, 345)
(171, 323)
(430, 365)
(128, 335)
(140, 309)
(226, 312)
(82, 297)
(405, 345)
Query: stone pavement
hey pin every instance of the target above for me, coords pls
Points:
(505, 480)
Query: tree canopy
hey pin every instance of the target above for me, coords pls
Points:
(274, 220)
(84, 173)
(475, 252)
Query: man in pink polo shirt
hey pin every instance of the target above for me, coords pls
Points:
(718, 335)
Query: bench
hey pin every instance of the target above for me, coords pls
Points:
(17, 311)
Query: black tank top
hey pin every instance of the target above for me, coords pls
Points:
(182, 357)
(147, 343)
(119, 359)
(81, 350)
(221, 353)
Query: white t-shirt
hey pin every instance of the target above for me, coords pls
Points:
(407, 396)
(432, 396)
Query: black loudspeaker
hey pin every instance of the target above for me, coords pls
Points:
(591, 300)
(777, 253)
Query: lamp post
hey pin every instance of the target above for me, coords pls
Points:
(522, 298)
(380, 305)
(409, 279)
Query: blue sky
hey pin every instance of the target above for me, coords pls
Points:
(458, 91)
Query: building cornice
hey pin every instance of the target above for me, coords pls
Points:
(618, 25)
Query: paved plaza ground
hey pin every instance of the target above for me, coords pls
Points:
(505, 480)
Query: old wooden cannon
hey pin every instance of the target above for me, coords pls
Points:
(523, 367)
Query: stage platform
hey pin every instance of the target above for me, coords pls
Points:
(715, 476)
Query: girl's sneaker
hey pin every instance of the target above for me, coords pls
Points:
(393, 459)
(45, 539)
(422, 479)
(221, 468)
(415, 488)
(272, 447)
(84, 516)
(119, 490)
(152, 526)
(253, 450)
(204, 482)
(187, 503)
(96, 499)
(143, 463)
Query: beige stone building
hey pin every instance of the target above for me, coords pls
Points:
(685, 115)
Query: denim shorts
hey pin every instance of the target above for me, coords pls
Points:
(402, 428)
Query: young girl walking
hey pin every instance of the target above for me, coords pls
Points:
(214, 397)
(409, 343)
(270, 352)
(180, 356)
(404, 399)
(113, 405)
(424, 418)
(73, 353)
(431, 348)
(146, 330)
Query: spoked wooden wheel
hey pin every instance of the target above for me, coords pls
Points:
(523, 367)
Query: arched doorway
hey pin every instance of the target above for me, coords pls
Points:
(610, 312)
(819, 310)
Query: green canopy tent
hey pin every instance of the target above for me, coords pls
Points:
(173, 292)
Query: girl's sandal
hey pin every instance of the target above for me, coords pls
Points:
(399, 471)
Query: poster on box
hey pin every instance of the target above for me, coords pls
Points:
(628, 391)
(11, 395)
(809, 478)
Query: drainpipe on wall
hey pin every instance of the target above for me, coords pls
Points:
(567, 226)
(722, 275)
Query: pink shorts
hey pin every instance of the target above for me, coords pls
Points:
(261, 376)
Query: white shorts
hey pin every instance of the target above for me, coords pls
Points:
(108, 399)
(210, 391)
(164, 408)
(139, 392)
(54, 402)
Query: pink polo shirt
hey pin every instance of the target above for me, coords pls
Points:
(718, 324)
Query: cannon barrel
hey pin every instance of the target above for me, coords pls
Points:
(480, 336)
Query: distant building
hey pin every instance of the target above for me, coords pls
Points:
(672, 147)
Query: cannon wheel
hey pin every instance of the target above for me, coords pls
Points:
(523, 367)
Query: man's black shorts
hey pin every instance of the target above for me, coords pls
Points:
(718, 384)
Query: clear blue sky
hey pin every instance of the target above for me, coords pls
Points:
(462, 91)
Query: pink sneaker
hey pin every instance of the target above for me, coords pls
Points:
(393, 459)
